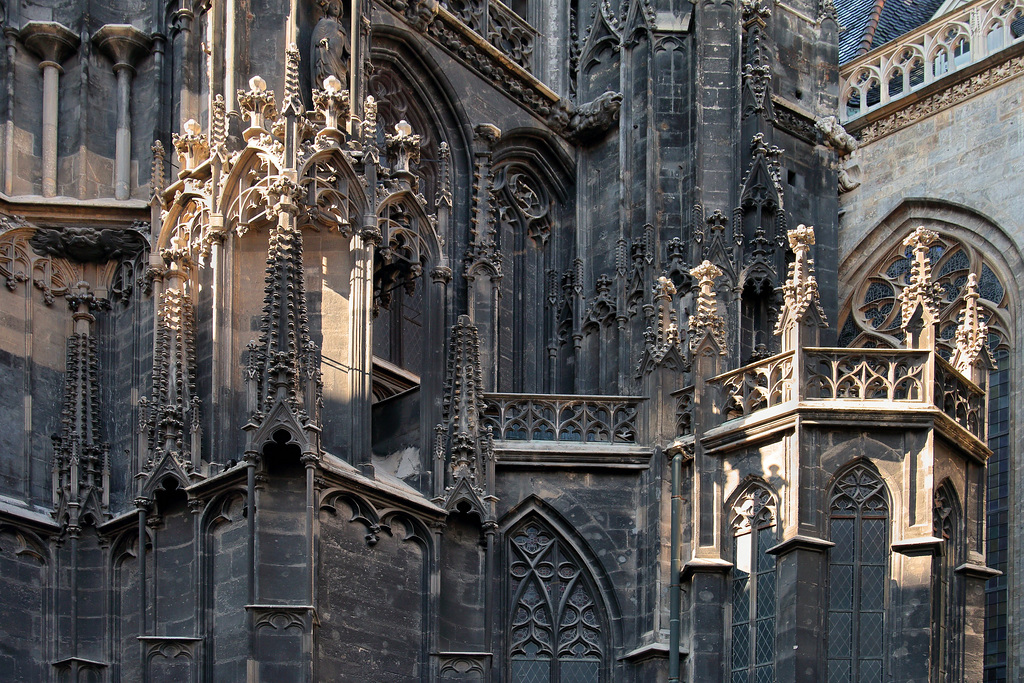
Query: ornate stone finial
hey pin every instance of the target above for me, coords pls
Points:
(156, 177)
(258, 104)
(218, 126)
(403, 147)
(971, 330)
(706, 323)
(81, 467)
(920, 297)
(801, 287)
(192, 146)
(662, 338)
(370, 121)
(285, 361)
(444, 183)
(292, 102)
(333, 103)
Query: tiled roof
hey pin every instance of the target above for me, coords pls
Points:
(866, 24)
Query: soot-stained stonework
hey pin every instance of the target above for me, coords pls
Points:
(467, 341)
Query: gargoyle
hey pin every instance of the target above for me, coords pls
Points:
(593, 119)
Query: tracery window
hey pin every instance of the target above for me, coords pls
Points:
(858, 565)
(556, 632)
(872, 319)
(753, 588)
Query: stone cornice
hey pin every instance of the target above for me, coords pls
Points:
(765, 424)
(940, 95)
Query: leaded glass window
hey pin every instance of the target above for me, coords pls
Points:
(872, 319)
(556, 628)
(753, 588)
(947, 592)
(857, 569)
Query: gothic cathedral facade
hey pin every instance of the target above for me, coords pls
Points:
(406, 340)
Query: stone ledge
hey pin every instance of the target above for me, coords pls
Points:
(800, 542)
(650, 651)
(568, 454)
(918, 547)
(978, 571)
(36, 517)
(704, 565)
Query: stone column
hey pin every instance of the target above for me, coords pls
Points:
(53, 43)
(125, 45)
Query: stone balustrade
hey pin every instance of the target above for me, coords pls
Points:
(503, 28)
(889, 379)
(938, 49)
(565, 418)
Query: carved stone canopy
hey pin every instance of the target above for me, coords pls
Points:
(124, 44)
(88, 245)
(50, 41)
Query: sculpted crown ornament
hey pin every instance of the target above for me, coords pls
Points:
(706, 324)
(192, 145)
(801, 287)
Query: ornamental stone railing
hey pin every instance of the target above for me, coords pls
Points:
(936, 50)
(756, 386)
(500, 26)
(846, 378)
(562, 418)
(865, 374)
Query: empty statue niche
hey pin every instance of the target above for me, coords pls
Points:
(175, 555)
(757, 319)
(282, 455)
(463, 567)
(281, 500)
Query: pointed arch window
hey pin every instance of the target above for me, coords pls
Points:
(753, 588)
(556, 629)
(947, 591)
(858, 565)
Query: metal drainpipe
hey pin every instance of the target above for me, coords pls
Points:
(675, 590)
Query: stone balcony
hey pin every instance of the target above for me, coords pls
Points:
(872, 386)
(565, 430)
(938, 50)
